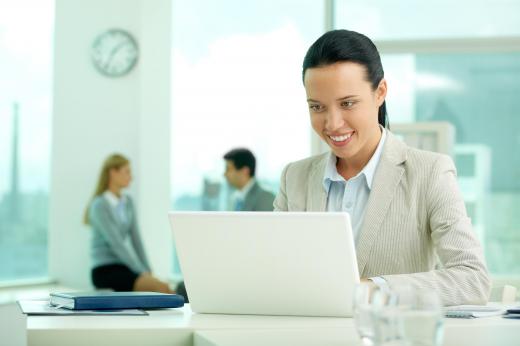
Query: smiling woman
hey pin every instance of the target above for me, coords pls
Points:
(378, 179)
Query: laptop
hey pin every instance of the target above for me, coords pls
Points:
(267, 263)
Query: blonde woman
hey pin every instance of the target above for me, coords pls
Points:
(118, 257)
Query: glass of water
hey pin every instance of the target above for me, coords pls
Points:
(415, 315)
(368, 301)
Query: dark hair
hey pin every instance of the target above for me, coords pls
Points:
(344, 45)
(242, 157)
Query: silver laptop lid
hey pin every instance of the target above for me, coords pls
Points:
(267, 263)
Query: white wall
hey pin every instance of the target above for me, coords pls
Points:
(96, 115)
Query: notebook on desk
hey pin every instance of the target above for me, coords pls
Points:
(115, 300)
(265, 263)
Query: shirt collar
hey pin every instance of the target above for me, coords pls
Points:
(112, 199)
(331, 172)
(242, 193)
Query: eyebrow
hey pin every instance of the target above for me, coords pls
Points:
(340, 99)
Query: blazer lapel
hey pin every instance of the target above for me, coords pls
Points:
(386, 179)
(316, 194)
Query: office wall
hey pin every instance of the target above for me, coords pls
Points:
(94, 116)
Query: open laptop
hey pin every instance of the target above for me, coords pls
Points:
(267, 263)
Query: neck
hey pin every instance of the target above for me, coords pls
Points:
(244, 183)
(349, 168)
(116, 190)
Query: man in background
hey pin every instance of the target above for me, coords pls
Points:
(240, 173)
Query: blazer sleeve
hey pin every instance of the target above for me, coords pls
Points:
(137, 241)
(280, 202)
(463, 278)
(101, 219)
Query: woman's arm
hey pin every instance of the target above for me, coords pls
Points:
(136, 238)
(464, 277)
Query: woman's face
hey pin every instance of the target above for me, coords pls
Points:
(344, 108)
(121, 177)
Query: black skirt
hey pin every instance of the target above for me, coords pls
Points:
(114, 276)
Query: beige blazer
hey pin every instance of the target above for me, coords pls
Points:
(414, 217)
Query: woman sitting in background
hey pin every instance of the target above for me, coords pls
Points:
(118, 258)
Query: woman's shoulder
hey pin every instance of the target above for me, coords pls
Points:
(98, 202)
(307, 163)
(427, 164)
(427, 158)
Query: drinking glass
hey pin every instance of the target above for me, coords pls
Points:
(368, 301)
(412, 317)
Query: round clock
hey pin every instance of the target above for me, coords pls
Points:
(114, 52)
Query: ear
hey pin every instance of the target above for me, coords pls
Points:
(246, 170)
(381, 91)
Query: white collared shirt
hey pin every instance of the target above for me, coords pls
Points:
(351, 195)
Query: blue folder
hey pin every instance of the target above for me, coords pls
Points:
(115, 300)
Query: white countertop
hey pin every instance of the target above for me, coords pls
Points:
(183, 327)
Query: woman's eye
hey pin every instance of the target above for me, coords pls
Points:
(315, 108)
(347, 104)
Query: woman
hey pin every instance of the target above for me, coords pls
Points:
(404, 203)
(118, 257)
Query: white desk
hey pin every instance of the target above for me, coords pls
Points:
(182, 327)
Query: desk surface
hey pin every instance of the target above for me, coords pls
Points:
(182, 327)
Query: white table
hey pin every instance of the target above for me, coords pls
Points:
(182, 327)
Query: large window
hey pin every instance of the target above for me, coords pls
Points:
(26, 29)
(237, 83)
(419, 20)
(466, 72)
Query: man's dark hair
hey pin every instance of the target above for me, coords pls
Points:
(344, 45)
(242, 157)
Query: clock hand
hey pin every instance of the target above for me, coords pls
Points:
(113, 53)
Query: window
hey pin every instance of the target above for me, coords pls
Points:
(455, 72)
(417, 20)
(236, 82)
(476, 93)
(26, 29)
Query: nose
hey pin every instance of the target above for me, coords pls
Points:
(334, 119)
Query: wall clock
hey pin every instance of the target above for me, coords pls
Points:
(115, 52)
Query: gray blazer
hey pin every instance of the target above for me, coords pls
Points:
(107, 245)
(258, 199)
(414, 215)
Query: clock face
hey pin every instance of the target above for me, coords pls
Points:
(114, 52)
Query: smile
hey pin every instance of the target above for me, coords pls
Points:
(341, 138)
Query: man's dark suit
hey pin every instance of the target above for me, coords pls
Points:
(258, 199)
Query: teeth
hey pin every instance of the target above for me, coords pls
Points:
(341, 138)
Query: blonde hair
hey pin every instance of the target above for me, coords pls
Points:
(114, 161)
